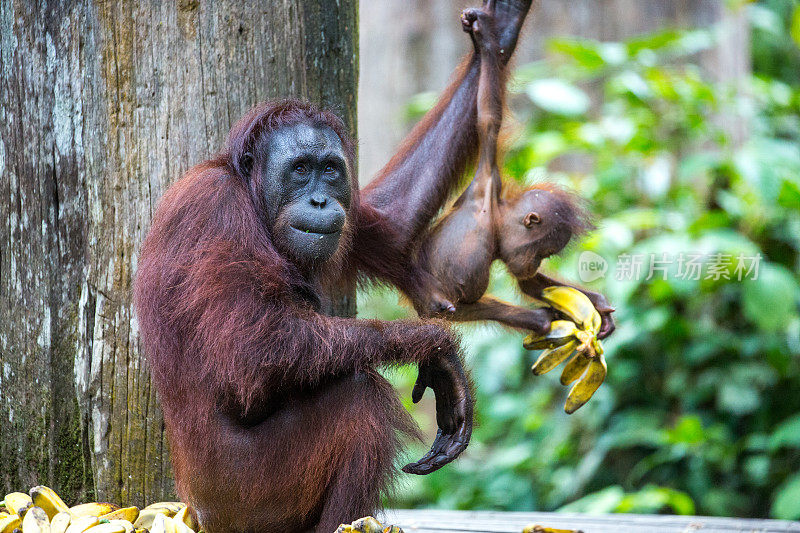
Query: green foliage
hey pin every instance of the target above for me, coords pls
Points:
(699, 413)
(776, 52)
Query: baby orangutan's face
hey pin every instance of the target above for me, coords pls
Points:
(536, 224)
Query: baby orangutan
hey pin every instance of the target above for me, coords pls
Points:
(491, 221)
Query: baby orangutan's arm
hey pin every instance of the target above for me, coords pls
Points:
(533, 287)
(536, 320)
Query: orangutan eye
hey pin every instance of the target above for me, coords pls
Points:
(300, 168)
(531, 219)
(329, 169)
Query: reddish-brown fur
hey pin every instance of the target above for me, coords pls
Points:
(276, 415)
(493, 220)
(232, 339)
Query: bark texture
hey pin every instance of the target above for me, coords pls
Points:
(102, 106)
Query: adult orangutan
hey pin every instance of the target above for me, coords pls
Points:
(276, 415)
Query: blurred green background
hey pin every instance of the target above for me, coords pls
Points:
(700, 413)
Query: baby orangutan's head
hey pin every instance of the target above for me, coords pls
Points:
(538, 222)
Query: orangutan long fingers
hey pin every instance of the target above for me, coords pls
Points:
(420, 386)
(433, 461)
(446, 407)
(452, 444)
(542, 319)
(607, 326)
(444, 450)
(436, 448)
(419, 467)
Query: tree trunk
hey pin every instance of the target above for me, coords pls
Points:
(102, 106)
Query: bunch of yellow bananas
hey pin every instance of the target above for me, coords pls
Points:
(367, 525)
(576, 337)
(43, 511)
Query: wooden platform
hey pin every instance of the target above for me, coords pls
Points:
(435, 521)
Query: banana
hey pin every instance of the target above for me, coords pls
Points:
(561, 332)
(128, 513)
(149, 514)
(578, 336)
(596, 321)
(185, 516)
(170, 508)
(47, 499)
(60, 522)
(587, 343)
(597, 346)
(24, 509)
(106, 528)
(15, 501)
(180, 527)
(553, 357)
(575, 368)
(81, 524)
(367, 525)
(9, 523)
(541, 529)
(92, 509)
(124, 523)
(147, 517)
(583, 390)
(163, 524)
(575, 305)
(36, 521)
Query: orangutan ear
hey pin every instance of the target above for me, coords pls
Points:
(246, 164)
(531, 219)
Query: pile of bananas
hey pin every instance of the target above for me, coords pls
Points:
(43, 511)
(576, 337)
(542, 529)
(370, 525)
(367, 525)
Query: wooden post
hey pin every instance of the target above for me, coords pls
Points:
(102, 106)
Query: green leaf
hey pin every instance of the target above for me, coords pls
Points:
(795, 28)
(586, 53)
(770, 300)
(420, 104)
(787, 434)
(727, 241)
(547, 145)
(789, 195)
(688, 430)
(765, 19)
(633, 83)
(655, 499)
(757, 468)
(738, 399)
(558, 96)
(613, 53)
(654, 41)
(601, 502)
(787, 503)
